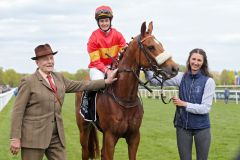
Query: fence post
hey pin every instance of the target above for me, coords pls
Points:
(236, 95)
(215, 97)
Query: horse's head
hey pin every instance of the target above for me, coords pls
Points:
(152, 54)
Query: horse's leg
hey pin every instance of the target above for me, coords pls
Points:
(82, 126)
(109, 142)
(90, 148)
(133, 142)
(89, 141)
(84, 138)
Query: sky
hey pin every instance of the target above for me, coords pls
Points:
(181, 26)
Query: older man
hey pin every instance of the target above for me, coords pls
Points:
(37, 125)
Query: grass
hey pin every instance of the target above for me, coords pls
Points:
(158, 140)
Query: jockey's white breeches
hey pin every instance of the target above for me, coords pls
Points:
(96, 74)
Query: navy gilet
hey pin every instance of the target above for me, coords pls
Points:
(191, 90)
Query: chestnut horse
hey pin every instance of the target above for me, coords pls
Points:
(119, 109)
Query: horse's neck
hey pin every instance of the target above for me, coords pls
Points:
(127, 85)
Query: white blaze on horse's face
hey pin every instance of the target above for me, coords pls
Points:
(162, 57)
(156, 41)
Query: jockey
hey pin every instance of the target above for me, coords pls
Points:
(105, 40)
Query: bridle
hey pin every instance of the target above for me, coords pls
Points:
(153, 67)
(156, 70)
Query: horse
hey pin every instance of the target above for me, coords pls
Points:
(118, 107)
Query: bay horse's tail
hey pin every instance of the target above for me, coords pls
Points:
(93, 143)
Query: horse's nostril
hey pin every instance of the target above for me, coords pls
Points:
(175, 70)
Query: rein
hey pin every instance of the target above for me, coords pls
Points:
(140, 82)
(121, 102)
(113, 59)
(163, 97)
(126, 103)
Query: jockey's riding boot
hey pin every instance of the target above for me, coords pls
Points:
(86, 99)
(84, 108)
(87, 109)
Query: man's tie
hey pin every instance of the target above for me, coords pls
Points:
(54, 88)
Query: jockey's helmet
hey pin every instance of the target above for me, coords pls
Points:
(103, 12)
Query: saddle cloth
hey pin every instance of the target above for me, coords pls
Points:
(88, 111)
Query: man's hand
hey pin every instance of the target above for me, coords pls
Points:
(111, 74)
(15, 146)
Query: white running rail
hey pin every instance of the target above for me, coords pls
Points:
(5, 97)
(234, 94)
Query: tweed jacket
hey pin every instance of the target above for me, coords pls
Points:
(36, 108)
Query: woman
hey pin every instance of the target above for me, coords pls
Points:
(196, 91)
(103, 42)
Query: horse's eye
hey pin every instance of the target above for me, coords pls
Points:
(151, 48)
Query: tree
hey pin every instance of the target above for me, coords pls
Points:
(224, 77)
(1, 75)
(231, 77)
(227, 77)
(82, 74)
(216, 77)
(68, 75)
(182, 68)
(11, 77)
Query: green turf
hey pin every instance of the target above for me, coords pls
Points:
(158, 140)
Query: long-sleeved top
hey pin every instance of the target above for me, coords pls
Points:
(207, 96)
(101, 43)
(197, 90)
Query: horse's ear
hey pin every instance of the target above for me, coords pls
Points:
(143, 29)
(150, 27)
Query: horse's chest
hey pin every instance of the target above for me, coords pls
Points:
(126, 122)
